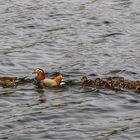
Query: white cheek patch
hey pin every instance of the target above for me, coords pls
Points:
(38, 71)
(36, 74)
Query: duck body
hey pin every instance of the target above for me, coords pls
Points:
(49, 82)
(40, 77)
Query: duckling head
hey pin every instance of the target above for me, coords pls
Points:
(98, 82)
(138, 88)
(109, 82)
(121, 79)
(39, 74)
(137, 82)
(84, 79)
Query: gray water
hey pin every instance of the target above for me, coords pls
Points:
(74, 37)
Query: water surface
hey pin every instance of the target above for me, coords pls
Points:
(76, 38)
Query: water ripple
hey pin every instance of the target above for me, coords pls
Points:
(76, 38)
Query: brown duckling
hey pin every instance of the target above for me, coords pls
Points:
(85, 80)
(11, 81)
(137, 86)
(116, 83)
(128, 85)
(109, 82)
(120, 82)
(98, 82)
(137, 82)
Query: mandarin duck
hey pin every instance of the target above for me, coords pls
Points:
(40, 77)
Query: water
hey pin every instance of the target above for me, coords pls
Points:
(76, 38)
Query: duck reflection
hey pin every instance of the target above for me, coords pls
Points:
(52, 98)
(41, 96)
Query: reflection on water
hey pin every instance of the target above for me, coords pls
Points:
(75, 38)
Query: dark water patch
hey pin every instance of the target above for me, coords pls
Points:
(106, 136)
(130, 72)
(126, 106)
(26, 27)
(56, 29)
(3, 93)
(134, 101)
(114, 72)
(129, 75)
(107, 22)
(92, 74)
(93, 18)
(112, 34)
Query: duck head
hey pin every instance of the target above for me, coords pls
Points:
(39, 74)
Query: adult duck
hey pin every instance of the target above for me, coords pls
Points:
(41, 77)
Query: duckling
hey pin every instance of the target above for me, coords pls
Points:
(116, 83)
(98, 82)
(109, 82)
(137, 82)
(125, 84)
(8, 83)
(129, 85)
(137, 86)
(11, 81)
(40, 77)
(87, 81)
(120, 82)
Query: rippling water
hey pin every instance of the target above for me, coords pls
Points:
(76, 38)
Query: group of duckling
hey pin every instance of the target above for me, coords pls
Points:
(112, 82)
(57, 81)
(11, 81)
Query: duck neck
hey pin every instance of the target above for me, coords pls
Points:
(40, 77)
